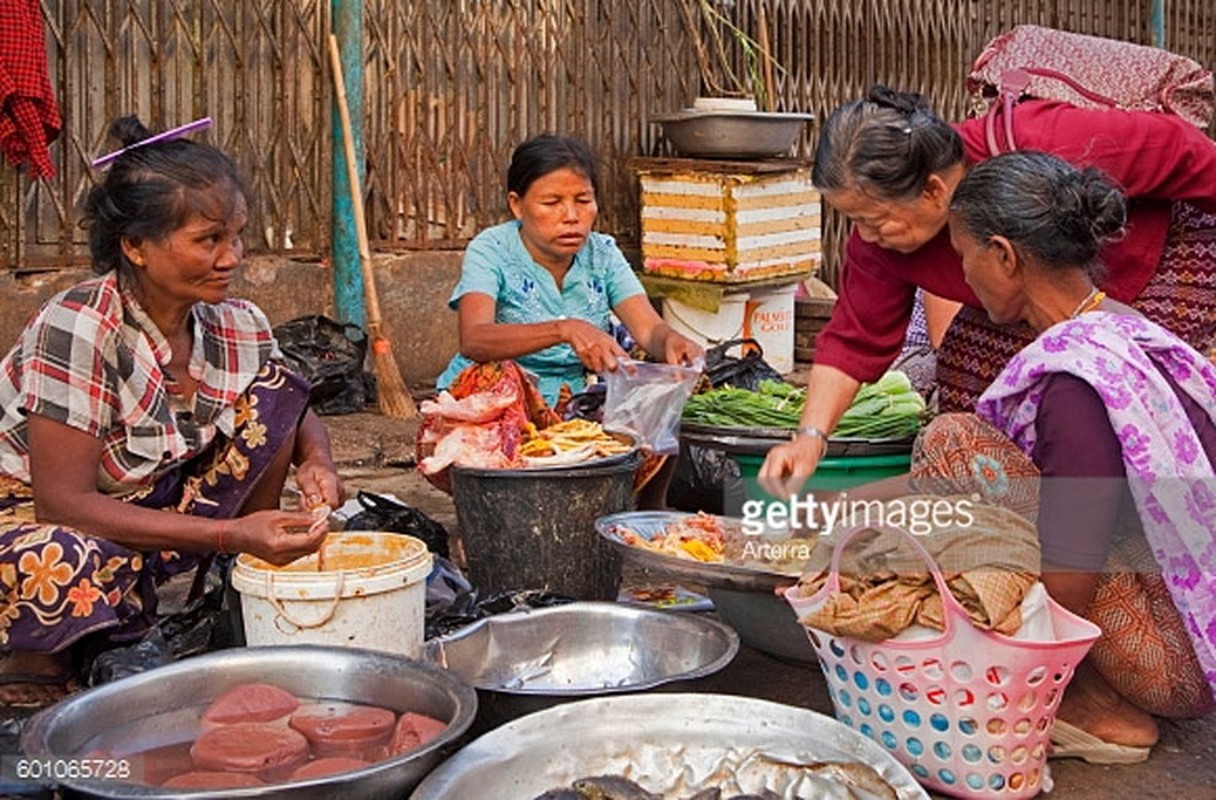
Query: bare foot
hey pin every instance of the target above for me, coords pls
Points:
(46, 678)
(1091, 704)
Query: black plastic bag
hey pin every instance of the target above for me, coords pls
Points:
(385, 514)
(744, 372)
(330, 356)
(203, 625)
(704, 479)
(587, 404)
(467, 607)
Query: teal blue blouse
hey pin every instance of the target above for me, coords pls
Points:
(497, 264)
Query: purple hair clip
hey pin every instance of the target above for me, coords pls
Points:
(169, 135)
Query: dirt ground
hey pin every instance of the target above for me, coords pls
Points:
(377, 454)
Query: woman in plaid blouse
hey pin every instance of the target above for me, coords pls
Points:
(145, 420)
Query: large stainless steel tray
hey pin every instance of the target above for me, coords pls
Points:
(360, 676)
(708, 574)
(584, 649)
(670, 743)
(529, 660)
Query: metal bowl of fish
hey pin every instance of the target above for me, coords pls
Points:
(672, 747)
(525, 661)
(735, 557)
(149, 724)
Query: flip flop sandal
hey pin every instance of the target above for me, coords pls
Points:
(64, 682)
(1069, 741)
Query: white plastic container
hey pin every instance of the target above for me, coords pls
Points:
(364, 589)
(708, 328)
(769, 319)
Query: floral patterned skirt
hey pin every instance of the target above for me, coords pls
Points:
(1144, 651)
(58, 584)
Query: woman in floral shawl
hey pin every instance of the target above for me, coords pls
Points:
(1103, 431)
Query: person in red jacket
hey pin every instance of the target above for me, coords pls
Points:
(890, 164)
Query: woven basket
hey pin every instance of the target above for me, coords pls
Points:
(968, 712)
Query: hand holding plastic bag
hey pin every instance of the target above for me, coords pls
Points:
(646, 400)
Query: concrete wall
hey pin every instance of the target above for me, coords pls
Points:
(413, 289)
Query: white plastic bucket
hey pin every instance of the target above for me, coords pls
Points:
(769, 319)
(708, 328)
(364, 589)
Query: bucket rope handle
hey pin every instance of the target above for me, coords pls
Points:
(950, 606)
(701, 333)
(281, 611)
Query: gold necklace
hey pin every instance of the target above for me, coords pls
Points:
(1091, 301)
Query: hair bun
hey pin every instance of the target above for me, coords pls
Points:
(129, 130)
(907, 103)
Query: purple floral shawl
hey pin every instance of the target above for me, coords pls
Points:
(1169, 474)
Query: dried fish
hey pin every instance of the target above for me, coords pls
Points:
(712, 793)
(865, 783)
(560, 794)
(612, 787)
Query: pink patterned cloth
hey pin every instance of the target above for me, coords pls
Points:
(1171, 479)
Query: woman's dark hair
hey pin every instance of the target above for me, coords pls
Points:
(887, 145)
(540, 155)
(150, 191)
(1059, 214)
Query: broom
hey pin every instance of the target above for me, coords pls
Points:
(393, 398)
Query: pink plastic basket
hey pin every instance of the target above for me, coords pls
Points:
(968, 712)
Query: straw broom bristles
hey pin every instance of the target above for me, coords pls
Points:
(393, 397)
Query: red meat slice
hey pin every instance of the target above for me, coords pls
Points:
(250, 747)
(344, 729)
(251, 702)
(162, 763)
(211, 780)
(328, 766)
(413, 731)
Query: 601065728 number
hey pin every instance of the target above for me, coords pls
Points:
(53, 769)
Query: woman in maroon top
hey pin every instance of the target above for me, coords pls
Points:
(891, 165)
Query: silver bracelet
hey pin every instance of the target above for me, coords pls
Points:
(811, 431)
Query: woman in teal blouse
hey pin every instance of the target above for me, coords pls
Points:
(540, 289)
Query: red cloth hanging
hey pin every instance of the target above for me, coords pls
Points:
(29, 116)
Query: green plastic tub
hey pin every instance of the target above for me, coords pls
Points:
(766, 622)
(834, 472)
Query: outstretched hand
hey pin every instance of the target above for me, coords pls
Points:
(277, 537)
(319, 485)
(678, 349)
(789, 466)
(598, 351)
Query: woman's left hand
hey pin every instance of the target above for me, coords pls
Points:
(679, 349)
(319, 484)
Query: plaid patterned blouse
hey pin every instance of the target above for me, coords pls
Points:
(92, 359)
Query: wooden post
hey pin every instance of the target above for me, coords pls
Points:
(347, 16)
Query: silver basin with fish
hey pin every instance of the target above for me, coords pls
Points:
(529, 660)
(673, 744)
(743, 595)
(161, 703)
(709, 574)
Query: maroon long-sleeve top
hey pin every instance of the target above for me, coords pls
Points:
(1156, 158)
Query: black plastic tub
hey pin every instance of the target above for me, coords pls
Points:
(535, 528)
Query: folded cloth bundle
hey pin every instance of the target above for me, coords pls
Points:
(989, 557)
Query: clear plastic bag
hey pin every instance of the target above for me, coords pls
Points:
(646, 400)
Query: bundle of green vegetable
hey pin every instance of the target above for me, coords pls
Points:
(887, 409)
